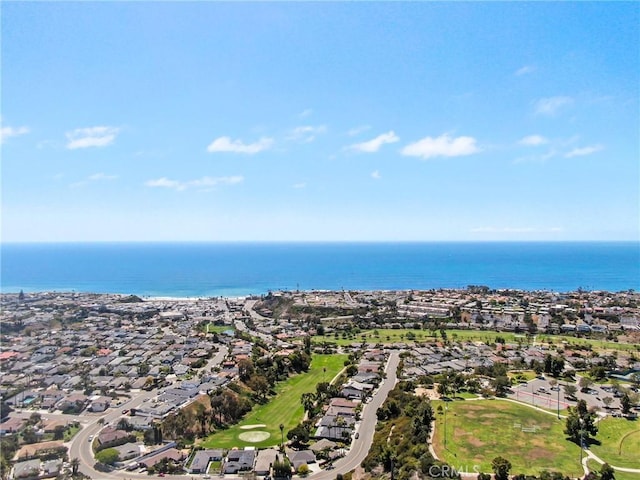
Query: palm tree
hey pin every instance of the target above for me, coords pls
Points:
(75, 464)
(282, 436)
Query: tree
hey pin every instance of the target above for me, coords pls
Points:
(580, 424)
(308, 401)
(29, 435)
(501, 467)
(585, 383)
(58, 432)
(598, 372)
(303, 470)
(299, 434)
(570, 391)
(607, 401)
(260, 385)
(282, 436)
(281, 468)
(108, 456)
(34, 419)
(123, 424)
(75, 465)
(625, 403)
(501, 384)
(245, 369)
(607, 472)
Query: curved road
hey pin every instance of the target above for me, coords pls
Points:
(360, 446)
(80, 446)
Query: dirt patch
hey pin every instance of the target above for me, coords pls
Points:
(491, 415)
(430, 393)
(475, 441)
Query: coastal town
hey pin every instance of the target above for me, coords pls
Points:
(121, 386)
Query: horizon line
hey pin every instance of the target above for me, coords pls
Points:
(226, 242)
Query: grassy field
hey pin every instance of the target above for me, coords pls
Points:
(595, 467)
(525, 374)
(211, 328)
(620, 442)
(479, 431)
(387, 336)
(284, 408)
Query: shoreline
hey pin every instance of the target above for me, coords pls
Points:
(197, 298)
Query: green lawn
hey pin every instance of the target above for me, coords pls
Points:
(479, 431)
(595, 467)
(284, 408)
(388, 336)
(211, 328)
(466, 395)
(620, 442)
(525, 374)
(70, 432)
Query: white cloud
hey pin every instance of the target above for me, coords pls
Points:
(204, 182)
(102, 176)
(299, 185)
(225, 144)
(305, 113)
(213, 181)
(442, 146)
(164, 183)
(358, 130)
(579, 152)
(91, 137)
(533, 140)
(374, 144)
(8, 132)
(525, 70)
(306, 133)
(376, 175)
(551, 105)
(96, 177)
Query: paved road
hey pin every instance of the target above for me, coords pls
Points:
(360, 446)
(80, 446)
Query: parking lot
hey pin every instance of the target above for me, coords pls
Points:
(541, 393)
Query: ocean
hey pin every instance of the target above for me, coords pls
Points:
(239, 269)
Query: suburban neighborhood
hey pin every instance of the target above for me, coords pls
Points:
(116, 386)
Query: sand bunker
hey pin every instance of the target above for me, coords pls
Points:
(249, 427)
(254, 437)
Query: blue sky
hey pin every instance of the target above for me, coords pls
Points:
(320, 121)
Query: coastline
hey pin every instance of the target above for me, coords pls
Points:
(204, 270)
